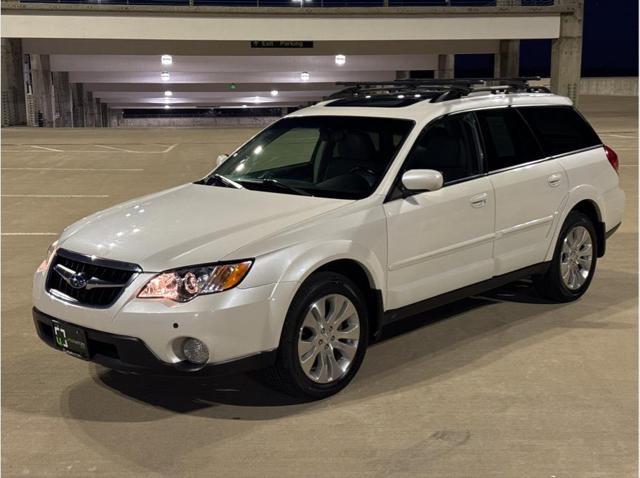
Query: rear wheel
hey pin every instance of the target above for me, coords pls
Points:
(574, 260)
(324, 338)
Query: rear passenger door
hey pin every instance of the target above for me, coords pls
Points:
(441, 240)
(529, 189)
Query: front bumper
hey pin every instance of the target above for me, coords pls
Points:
(130, 354)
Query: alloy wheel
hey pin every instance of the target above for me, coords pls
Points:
(576, 257)
(328, 338)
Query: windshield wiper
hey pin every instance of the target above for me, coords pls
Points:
(286, 187)
(226, 181)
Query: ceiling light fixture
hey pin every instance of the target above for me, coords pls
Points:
(305, 76)
(274, 92)
(341, 60)
(168, 93)
(165, 76)
(166, 59)
(244, 106)
(166, 107)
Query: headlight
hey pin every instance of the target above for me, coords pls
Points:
(50, 252)
(182, 285)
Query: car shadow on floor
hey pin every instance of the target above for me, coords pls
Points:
(186, 395)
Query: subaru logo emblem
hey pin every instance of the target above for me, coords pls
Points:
(78, 281)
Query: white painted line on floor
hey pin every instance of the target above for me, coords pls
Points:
(624, 136)
(29, 233)
(74, 169)
(46, 149)
(54, 195)
(170, 148)
(113, 148)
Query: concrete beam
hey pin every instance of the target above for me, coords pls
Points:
(55, 46)
(503, 7)
(92, 25)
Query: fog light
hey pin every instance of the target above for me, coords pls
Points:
(195, 351)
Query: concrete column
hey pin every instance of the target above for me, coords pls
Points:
(104, 114)
(446, 67)
(98, 112)
(13, 99)
(63, 103)
(566, 54)
(89, 110)
(507, 60)
(77, 101)
(114, 117)
(42, 90)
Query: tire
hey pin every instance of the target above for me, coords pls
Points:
(552, 285)
(302, 337)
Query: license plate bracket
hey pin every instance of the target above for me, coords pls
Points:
(70, 339)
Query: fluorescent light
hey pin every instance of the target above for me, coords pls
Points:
(244, 106)
(304, 76)
(341, 60)
(417, 95)
(168, 93)
(166, 59)
(165, 76)
(166, 107)
(400, 96)
(274, 92)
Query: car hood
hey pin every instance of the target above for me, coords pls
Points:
(191, 224)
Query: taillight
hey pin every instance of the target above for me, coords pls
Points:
(612, 157)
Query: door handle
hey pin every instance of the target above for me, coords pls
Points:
(554, 180)
(479, 200)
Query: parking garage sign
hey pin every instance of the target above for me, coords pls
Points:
(281, 44)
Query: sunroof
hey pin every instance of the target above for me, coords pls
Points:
(380, 101)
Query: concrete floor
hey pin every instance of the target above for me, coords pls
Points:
(499, 386)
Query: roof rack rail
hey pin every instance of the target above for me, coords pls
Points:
(438, 90)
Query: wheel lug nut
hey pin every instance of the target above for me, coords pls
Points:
(333, 337)
(326, 346)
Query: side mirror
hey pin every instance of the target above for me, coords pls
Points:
(221, 159)
(417, 180)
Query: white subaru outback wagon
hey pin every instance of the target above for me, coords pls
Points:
(297, 249)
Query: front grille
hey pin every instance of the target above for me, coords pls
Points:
(114, 272)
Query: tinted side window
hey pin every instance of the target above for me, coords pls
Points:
(560, 129)
(447, 145)
(508, 140)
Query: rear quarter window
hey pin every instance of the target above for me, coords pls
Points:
(508, 141)
(560, 129)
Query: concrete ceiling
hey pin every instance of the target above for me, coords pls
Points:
(134, 80)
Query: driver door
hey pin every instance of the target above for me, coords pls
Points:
(439, 241)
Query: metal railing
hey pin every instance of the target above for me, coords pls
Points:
(308, 3)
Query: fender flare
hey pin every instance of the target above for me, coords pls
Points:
(576, 195)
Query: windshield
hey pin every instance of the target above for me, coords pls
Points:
(326, 156)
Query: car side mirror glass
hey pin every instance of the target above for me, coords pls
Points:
(420, 180)
(221, 159)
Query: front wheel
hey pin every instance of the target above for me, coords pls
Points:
(574, 260)
(324, 338)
